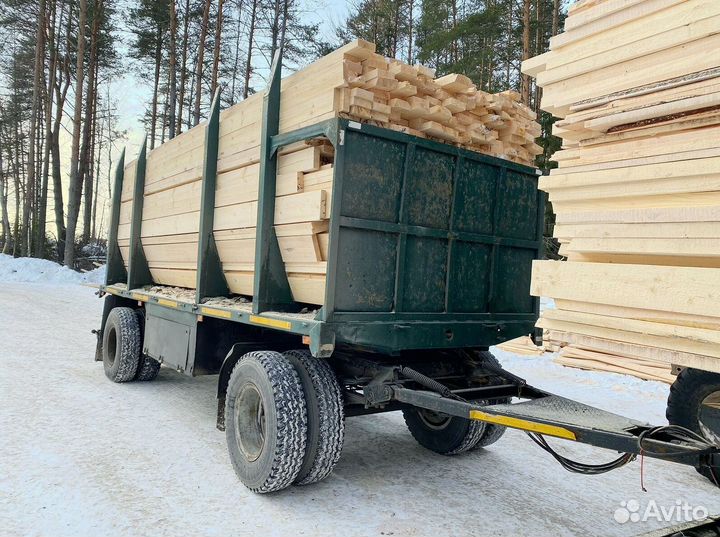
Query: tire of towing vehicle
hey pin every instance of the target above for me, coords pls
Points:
(121, 345)
(265, 421)
(692, 389)
(326, 420)
(148, 368)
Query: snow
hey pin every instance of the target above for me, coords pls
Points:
(28, 269)
(82, 456)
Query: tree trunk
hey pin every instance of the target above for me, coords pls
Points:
(85, 154)
(525, 79)
(236, 60)
(248, 57)
(200, 60)
(172, 65)
(216, 50)
(47, 94)
(410, 32)
(156, 84)
(38, 71)
(183, 66)
(3, 208)
(556, 17)
(75, 186)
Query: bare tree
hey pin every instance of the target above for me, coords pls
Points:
(200, 61)
(75, 185)
(39, 70)
(525, 80)
(248, 56)
(172, 67)
(216, 49)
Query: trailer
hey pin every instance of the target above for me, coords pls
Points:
(429, 262)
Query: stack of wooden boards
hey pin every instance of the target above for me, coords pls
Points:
(636, 85)
(352, 81)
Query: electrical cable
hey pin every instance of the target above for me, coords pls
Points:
(581, 467)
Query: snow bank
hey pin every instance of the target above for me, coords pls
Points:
(28, 269)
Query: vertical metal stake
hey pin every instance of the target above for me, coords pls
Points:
(210, 277)
(271, 290)
(115, 268)
(138, 271)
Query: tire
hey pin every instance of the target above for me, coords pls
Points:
(121, 345)
(453, 435)
(688, 406)
(492, 432)
(326, 417)
(148, 368)
(447, 435)
(265, 421)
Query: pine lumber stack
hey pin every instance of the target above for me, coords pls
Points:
(636, 85)
(352, 82)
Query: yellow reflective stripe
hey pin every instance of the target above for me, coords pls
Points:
(525, 425)
(266, 321)
(216, 313)
(141, 298)
(166, 302)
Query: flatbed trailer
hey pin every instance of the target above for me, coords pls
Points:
(429, 260)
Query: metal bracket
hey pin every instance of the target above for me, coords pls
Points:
(271, 289)
(115, 268)
(138, 270)
(210, 277)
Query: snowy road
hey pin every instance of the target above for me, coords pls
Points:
(82, 456)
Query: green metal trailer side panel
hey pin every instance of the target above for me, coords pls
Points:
(426, 233)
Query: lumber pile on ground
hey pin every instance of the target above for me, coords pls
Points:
(636, 85)
(353, 82)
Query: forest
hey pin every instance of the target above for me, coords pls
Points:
(60, 130)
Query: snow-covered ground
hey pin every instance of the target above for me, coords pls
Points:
(81, 456)
(27, 269)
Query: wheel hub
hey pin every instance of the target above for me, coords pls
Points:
(709, 418)
(434, 420)
(250, 422)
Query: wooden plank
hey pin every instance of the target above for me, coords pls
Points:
(669, 230)
(624, 336)
(657, 316)
(694, 185)
(640, 259)
(632, 325)
(669, 28)
(656, 354)
(627, 216)
(630, 12)
(678, 289)
(663, 65)
(700, 167)
(677, 200)
(650, 247)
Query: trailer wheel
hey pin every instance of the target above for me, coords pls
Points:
(694, 403)
(326, 425)
(148, 368)
(492, 432)
(265, 421)
(121, 345)
(447, 435)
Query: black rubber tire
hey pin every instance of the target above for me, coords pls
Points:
(454, 436)
(492, 432)
(687, 394)
(121, 345)
(272, 380)
(326, 416)
(148, 368)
